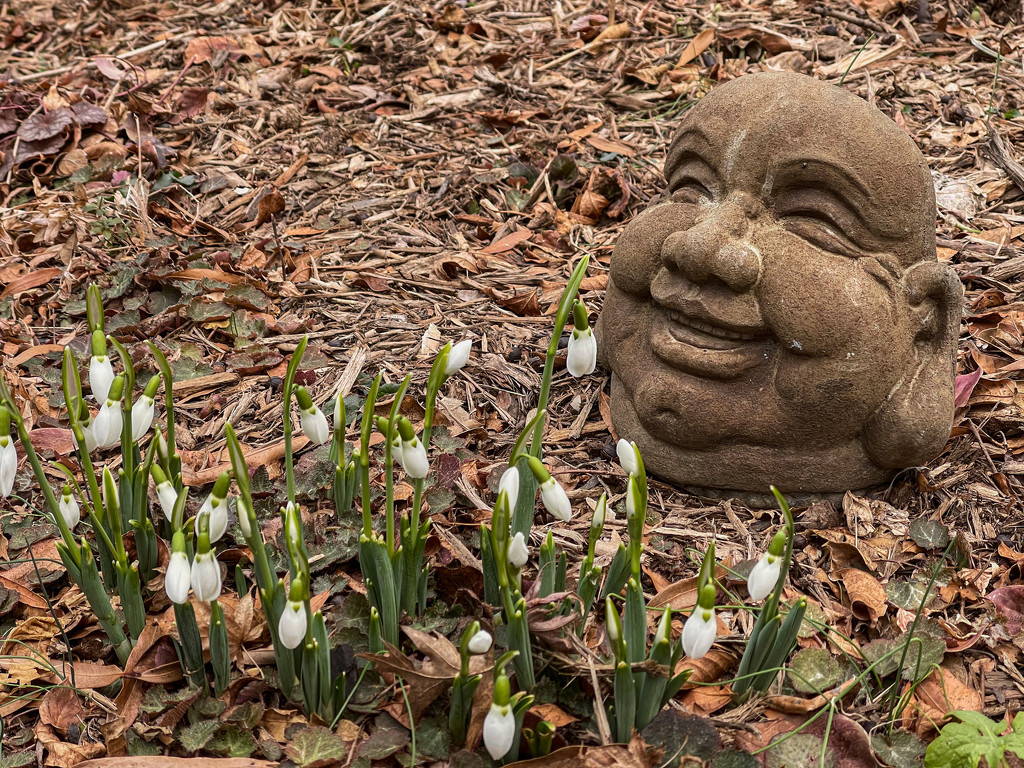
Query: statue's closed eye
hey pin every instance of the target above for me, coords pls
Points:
(822, 219)
(819, 229)
(688, 189)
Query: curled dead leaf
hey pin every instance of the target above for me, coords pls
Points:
(867, 595)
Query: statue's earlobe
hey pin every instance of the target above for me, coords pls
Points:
(913, 424)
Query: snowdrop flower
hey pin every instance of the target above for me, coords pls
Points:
(626, 452)
(500, 723)
(69, 509)
(90, 436)
(551, 493)
(509, 483)
(518, 552)
(633, 499)
(600, 513)
(765, 573)
(205, 571)
(101, 372)
(178, 578)
(700, 629)
(458, 356)
(8, 456)
(244, 520)
(581, 357)
(165, 492)
(107, 426)
(216, 508)
(339, 414)
(413, 455)
(480, 642)
(292, 517)
(311, 418)
(143, 410)
(291, 629)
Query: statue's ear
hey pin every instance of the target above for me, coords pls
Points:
(936, 297)
(913, 424)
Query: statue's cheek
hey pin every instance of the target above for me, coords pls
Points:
(637, 255)
(826, 306)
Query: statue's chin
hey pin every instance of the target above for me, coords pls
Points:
(746, 471)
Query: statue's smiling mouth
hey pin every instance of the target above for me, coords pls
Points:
(693, 330)
(707, 349)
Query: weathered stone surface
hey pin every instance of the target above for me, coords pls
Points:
(780, 317)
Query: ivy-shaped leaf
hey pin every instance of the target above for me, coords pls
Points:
(194, 737)
(316, 746)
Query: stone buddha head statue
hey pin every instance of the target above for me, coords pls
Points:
(780, 317)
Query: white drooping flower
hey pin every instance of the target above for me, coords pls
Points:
(499, 730)
(555, 500)
(480, 642)
(216, 506)
(458, 356)
(581, 357)
(626, 451)
(142, 416)
(101, 371)
(206, 576)
(311, 418)
(69, 509)
(518, 552)
(551, 493)
(292, 626)
(413, 453)
(165, 492)
(8, 464)
(106, 429)
(700, 629)
(509, 483)
(178, 578)
(765, 574)
(90, 436)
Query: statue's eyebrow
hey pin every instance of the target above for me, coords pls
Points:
(825, 174)
(693, 142)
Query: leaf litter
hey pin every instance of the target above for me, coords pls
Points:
(366, 172)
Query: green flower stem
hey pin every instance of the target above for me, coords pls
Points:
(191, 643)
(127, 444)
(289, 383)
(37, 469)
(220, 656)
(364, 455)
(173, 467)
(624, 692)
(100, 604)
(561, 318)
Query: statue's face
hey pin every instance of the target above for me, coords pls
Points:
(763, 303)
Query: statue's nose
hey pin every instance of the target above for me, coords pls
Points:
(714, 247)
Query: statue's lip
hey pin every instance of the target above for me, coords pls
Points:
(716, 329)
(706, 349)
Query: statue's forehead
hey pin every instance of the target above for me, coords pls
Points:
(805, 132)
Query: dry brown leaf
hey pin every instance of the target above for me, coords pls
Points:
(61, 754)
(60, 708)
(939, 694)
(162, 761)
(30, 280)
(867, 595)
(696, 47)
(203, 49)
